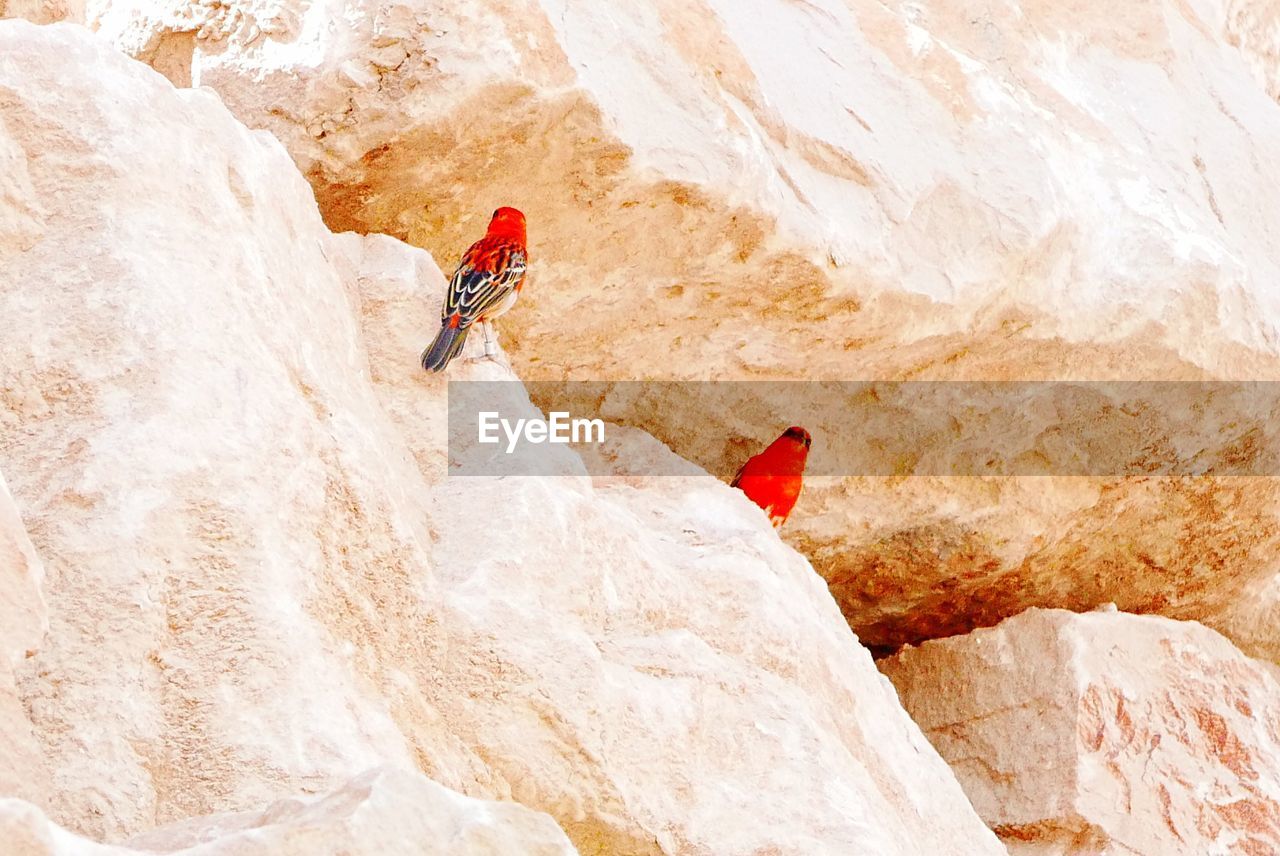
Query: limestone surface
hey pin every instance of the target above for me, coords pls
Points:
(1104, 733)
(384, 812)
(23, 622)
(839, 190)
(262, 582)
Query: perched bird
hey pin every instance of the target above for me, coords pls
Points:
(485, 285)
(772, 479)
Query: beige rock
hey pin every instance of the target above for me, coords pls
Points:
(835, 189)
(25, 831)
(175, 338)
(1254, 28)
(261, 582)
(43, 11)
(381, 812)
(656, 656)
(384, 812)
(1104, 733)
(23, 622)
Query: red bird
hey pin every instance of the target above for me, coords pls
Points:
(485, 285)
(772, 479)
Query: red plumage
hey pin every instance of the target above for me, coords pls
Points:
(773, 478)
(485, 285)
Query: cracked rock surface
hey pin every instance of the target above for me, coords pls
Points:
(260, 584)
(840, 190)
(1103, 732)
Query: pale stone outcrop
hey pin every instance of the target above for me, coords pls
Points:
(43, 11)
(836, 189)
(384, 812)
(1104, 732)
(626, 678)
(26, 831)
(1253, 26)
(23, 623)
(260, 582)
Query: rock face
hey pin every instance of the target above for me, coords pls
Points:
(836, 189)
(43, 11)
(382, 813)
(27, 832)
(22, 770)
(600, 120)
(260, 582)
(1104, 733)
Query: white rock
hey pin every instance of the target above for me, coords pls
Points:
(43, 11)
(27, 832)
(23, 622)
(260, 580)
(837, 189)
(384, 812)
(1096, 173)
(1104, 733)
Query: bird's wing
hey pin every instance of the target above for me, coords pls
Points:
(486, 277)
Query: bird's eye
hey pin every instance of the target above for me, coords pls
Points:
(495, 212)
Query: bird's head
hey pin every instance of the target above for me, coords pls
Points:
(798, 434)
(787, 454)
(508, 223)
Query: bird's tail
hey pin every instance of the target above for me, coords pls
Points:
(447, 344)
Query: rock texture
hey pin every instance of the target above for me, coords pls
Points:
(260, 582)
(834, 189)
(23, 622)
(382, 813)
(27, 832)
(794, 119)
(43, 11)
(1104, 733)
